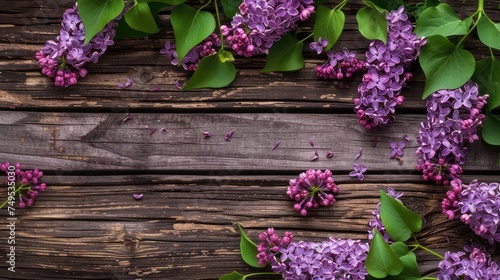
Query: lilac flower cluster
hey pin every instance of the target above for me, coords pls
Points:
(453, 118)
(331, 259)
(27, 183)
(64, 59)
(387, 64)
(271, 244)
(474, 263)
(312, 189)
(260, 23)
(376, 222)
(340, 65)
(194, 56)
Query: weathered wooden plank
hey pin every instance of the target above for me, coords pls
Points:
(90, 227)
(30, 24)
(79, 141)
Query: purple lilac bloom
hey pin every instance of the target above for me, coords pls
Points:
(319, 45)
(64, 59)
(260, 23)
(312, 189)
(397, 149)
(451, 123)
(387, 64)
(474, 263)
(376, 222)
(358, 171)
(27, 183)
(331, 259)
(340, 65)
(271, 244)
(193, 57)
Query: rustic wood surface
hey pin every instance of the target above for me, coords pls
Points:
(87, 225)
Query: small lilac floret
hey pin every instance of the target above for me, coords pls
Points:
(271, 244)
(27, 183)
(312, 189)
(358, 171)
(340, 65)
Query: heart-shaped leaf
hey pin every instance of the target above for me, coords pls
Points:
(445, 65)
(248, 249)
(123, 30)
(398, 220)
(329, 24)
(285, 55)
(140, 18)
(491, 129)
(487, 77)
(489, 32)
(372, 23)
(95, 14)
(231, 7)
(382, 260)
(441, 20)
(212, 73)
(232, 276)
(400, 248)
(410, 269)
(190, 28)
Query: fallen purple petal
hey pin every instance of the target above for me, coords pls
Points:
(154, 89)
(311, 142)
(178, 84)
(358, 171)
(360, 152)
(128, 118)
(275, 145)
(406, 138)
(316, 156)
(329, 154)
(164, 129)
(152, 131)
(137, 196)
(206, 134)
(128, 83)
(229, 135)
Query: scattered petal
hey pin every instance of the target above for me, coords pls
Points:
(406, 138)
(206, 134)
(360, 152)
(396, 149)
(229, 135)
(127, 84)
(374, 142)
(311, 142)
(178, 84)
(152, 131)
(164, 129)
(358, 171)
(329, 154)
(154, 89)
(275, 145)
(128, 118)
(316, 156)
(137, 196)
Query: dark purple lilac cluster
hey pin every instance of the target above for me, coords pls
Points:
(194, 56)
(260, 23)
(376, 222)
(312, 189)
(387, 65)
(340, 65)
(331, 259)
(474, 263)
(271, 244)
(478, 205)
(64, 59)
(27, 184)
(453, 119)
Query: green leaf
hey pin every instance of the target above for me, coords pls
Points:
(372, 24)
(399, 222)
(123, 30)
(140, 18)
(232, 276)
(410, 268)
(491, 129)
(441, 20)
(170, 2)
(382, 260)
(248, 249)
(400, 248)
(329, 24)
(285, 55)
(231, 7)
(489, 32)
(226, 56)
(95, 14)
(388, 5)
(487, 75)
(212, 73)
(190, 28)
(445, 66)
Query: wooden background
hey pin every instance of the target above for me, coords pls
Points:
(87, 225)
